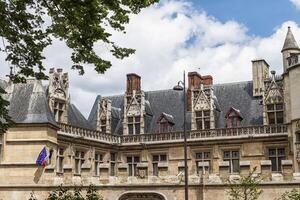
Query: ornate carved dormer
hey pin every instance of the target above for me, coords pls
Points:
(134, 106)
(58, 94)
(273, 101)
(201, 101)
(104, 116)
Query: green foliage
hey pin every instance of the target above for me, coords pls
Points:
(290, 195)
(66, 194)
(245, 188)
(27, 27)
(5, 119)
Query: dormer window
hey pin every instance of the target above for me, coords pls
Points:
(103, 125)
(275, 113)
(134, 125)
(165, 123)
(233, 118)
(58, 110)
(203, 119)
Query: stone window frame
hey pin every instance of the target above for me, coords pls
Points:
(113, 163)
(97, 162)
(132, 166)
(80, 158)
(232, 158)
(203, 119)
(275, 111)
(58, 111)
(283, 157)
(136, 124)
(60, 158)
(203, 159)
(155, 169)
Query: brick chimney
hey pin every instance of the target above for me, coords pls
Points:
(194, 82)
(133, 83)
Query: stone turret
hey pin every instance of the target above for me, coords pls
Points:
(289, 48)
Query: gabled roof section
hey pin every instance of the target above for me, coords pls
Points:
(238, 95)
(234, 112)
(75, 118)
(290, 42)
(28, 103)
(167, 117)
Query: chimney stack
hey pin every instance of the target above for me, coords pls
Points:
(133, 83)
(194, 82)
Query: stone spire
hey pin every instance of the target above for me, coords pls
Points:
(290, 42)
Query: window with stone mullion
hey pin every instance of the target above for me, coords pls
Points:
(155, 160)
(202, 119)
(134, 125)
(98, 160)
(276, 155)
(233, 157)
(58, 110)
(132, 165)
(203, 156)
(60, 159)
(79, 160)
(275, 113)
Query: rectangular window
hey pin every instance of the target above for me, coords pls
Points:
(79, 160)
(60, 160)
(276, 155)
(201, 157)
(103, 125)
(58, 110)
(202, 119)
(98, 160)
(155, 160)
(132, 165)
(134, 125)
(233, 157)
(275, 113)
(113, 164)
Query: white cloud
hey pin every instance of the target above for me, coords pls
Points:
(169, 38)
(296, 3)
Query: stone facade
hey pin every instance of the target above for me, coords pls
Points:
(131, 147)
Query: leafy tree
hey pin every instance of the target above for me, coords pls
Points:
(27, 27)
(5, 119)
(290, 195)
(246, 188)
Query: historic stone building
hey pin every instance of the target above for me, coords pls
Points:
(131, 146)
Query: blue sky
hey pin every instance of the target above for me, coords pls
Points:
(261, 17)
(220, 37)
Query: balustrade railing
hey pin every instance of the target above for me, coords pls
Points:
(251, 131)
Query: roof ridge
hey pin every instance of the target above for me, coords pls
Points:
(232, 83)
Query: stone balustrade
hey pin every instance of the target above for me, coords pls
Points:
(211, 134)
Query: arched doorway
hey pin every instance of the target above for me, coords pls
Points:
(141, 196)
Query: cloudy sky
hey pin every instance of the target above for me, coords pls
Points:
(218, 37)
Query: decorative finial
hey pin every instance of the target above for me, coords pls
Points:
(273, 72)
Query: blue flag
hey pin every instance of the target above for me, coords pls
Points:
(42, 158)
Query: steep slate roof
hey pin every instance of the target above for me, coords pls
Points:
(290, 42)
(237, 95)
(28, 103)
(240, 96)
(75, 118)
